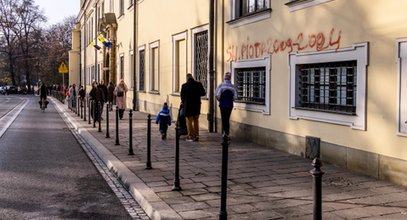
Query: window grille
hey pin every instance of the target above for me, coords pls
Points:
(142, 70)
(251, 85)
(327, 86)
(201, 58)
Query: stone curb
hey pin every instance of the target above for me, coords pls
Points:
(155, 208)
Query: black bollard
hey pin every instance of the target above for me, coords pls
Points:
(84, 109)
(81, 110)
(117, 126)
(77, 106)
(317, 187)
(107, 120)
(131, 133)
(176, 186)
(223, 215)
(148, 164)
(94, 112)
(89, 108)
(100, 116)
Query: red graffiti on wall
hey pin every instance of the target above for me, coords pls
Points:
(249, 50)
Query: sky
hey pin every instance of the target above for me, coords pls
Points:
(57, 10)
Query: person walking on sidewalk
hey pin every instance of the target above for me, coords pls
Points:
(226, 93)
(120, 92)
(164, 120)
(191, 93)
(110, 94)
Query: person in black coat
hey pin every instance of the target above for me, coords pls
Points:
(110, 94)
(191, 93)
(103, 88)
(96, 95)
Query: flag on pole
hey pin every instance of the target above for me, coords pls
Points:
(97, 47)
(104, 41)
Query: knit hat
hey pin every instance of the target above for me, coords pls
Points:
(227, 76)
(165, 106)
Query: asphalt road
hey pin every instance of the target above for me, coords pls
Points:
(44, 173)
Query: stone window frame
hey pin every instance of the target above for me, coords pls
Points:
(401, 56)
(152, 46)
(175, 75)
(358, 52)
(295, 5)
(193, 32)
(253, 63)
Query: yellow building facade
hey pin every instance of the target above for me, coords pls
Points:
(323, 77)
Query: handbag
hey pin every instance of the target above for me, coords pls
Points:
(120, 94)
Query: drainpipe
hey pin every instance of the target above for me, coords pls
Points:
(84, 53)
(135, 43)
(211, 66)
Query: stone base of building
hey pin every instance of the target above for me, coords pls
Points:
(371, 164)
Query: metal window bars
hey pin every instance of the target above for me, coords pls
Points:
(251, 85)
(327, 86)
(142, 70)
(201, 58)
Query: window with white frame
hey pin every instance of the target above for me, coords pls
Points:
(122, 66)
(301, 4)
(200, 52)
(141, 69)
(154, 66)
(330, 86)
(252, 79)
(121, 7)
(131, 67)
(246, 7)
(402, 87)
(249, 11)
(98, 72)
(179, 61)
(111, 8)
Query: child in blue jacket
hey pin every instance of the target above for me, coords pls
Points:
(164, 120)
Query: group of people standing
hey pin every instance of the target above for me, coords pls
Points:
(100, 93)
(191, 93)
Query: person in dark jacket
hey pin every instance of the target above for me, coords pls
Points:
(191, 93)
(164, 120)
(43, 96)
(103, 88)
(110, 94)
(96, 95)
(226, 93)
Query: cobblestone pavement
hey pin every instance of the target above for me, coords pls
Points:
(263, 183)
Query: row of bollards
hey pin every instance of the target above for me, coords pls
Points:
(316, 172)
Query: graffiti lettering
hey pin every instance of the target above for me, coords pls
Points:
(250, 50)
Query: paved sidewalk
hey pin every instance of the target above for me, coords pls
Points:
(263, 183)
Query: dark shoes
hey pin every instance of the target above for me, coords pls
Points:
(163, 136)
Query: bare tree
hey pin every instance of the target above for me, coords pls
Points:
(29, 20)
(28, 51)
(8, 39)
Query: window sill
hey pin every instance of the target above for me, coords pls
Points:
(326, 111)
(155, 92)
(295, 5)
(250, 18)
